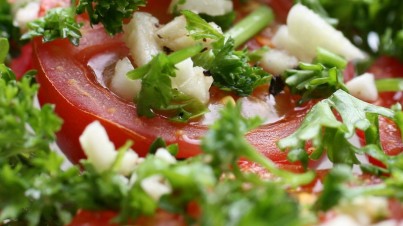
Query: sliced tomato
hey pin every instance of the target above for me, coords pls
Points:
(96, 218)
(23, 62)
(68, 82)
(387, 67)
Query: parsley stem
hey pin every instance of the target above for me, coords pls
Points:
(326, 57)
(289, 178)
(181, 55)
(389, 84)
(250, 25)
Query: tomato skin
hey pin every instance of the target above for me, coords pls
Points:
(23, 62)
(97, 218)
(390, 135)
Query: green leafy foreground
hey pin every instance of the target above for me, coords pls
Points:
(35, 191)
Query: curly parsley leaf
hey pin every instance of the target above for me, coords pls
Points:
(318, 80)
(231, 69)
(19, 113)
(57, 23)
(328, 133)
(110, 13)
(199, 28)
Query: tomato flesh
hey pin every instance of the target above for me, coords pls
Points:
(390, 136)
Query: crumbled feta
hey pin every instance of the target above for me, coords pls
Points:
(163, 154)
(192, 81)
(26, 14)
(175, 36)
(389, 223)
(156, 186)
(277, 61)
(341, 220)
(121, 85)
(364, 210)
(209, 7)
(363, 87)
(306, 31)
(101, 151)
(139, 35)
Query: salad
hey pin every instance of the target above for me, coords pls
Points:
(201, 112)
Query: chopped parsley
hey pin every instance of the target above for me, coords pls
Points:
(110, 13)
(156, 92)
(57, 23)
(319, 79)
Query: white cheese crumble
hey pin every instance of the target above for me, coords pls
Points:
(277, 61)
(363, 87)
(163, 154)
(175, 36)
(341, 220)
(209, 7)
(123, 86)
(101, 151)
(364, 210)
(156, 186)
(27, 13)
(139, 36)
(192, 81)
(306, 31)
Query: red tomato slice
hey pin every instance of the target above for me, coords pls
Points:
(96, 218)
(23, 62)
(387, 67)
(68, 82)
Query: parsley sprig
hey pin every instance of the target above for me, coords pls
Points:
(230, 68)
(110, 13)
(319, 79)
(57, 23)
(328, 133)
(156, 92)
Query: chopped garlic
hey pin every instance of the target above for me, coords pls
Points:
(363, 87)
(101, 151)
(364, 210)
(123, 86)
(209, 7)
(156, 186)
(163, 154)
(175, 36)
(306, 31)
(26, 14)
(277, 61)
(192, 81)
(139, 35)
(341, 220)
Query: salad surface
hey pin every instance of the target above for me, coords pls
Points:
(201, 112)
